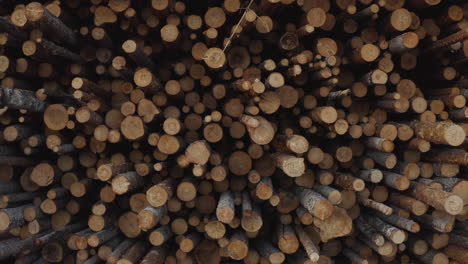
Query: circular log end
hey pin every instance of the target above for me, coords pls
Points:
(215, 58)
(328, 115)
(143, 77)
(120, 185)
(156, 196)
(370, 52)
(225, 214)
(132, 127)
(454, 135)
(56, 117)
(453, 205)
(410, 40)
(215, 229)
(316, 17)
(288, 244)
(238, 250)
(401, 19)
(43, 174)
(147, 219)
(127, 224)
(186, 191)
(34, 11)
(4, 221)
(251, 222)
(156, 238)
(78, 189)
(391, 161)
(96, 223)
(376, 176)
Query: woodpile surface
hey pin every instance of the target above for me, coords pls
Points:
(234, 131)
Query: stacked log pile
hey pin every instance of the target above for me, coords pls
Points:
(234, 131)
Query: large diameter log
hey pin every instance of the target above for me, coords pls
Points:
(438, 199)
(446, 133)
(337, 225)
(315, 203)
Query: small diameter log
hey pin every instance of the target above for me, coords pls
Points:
(261, 134)
(315, 203)
(215, 58)
(106, 172)
(45, 174)
(398, 221)
(396, 181)
(381, 144)
(416, 207)
(435, 223)
(387, 160)
(369, 232)
(349, 182)
(376, 206)
(416, 246)
(294, 143)
(268, 251)
(403, 42)
(332, 194)
(198, 152)
(127, 181)
(290, 165)
(32, 212)
(251, 215)
(186, 190)
(16, 132)
(189, 242)
(159, 194)
(337, 225)
(371, 175)
(143, 77)
(160, 235)
(307, 243)
(137, 55)
(438, 199)
(151, 216)
(225, 210)
(325, 114)
(132, 127)
(287, 240)
(446, 133)
(215, 229)
(12, 217)
(238, 247)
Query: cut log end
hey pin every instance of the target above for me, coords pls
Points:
(453, 205)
